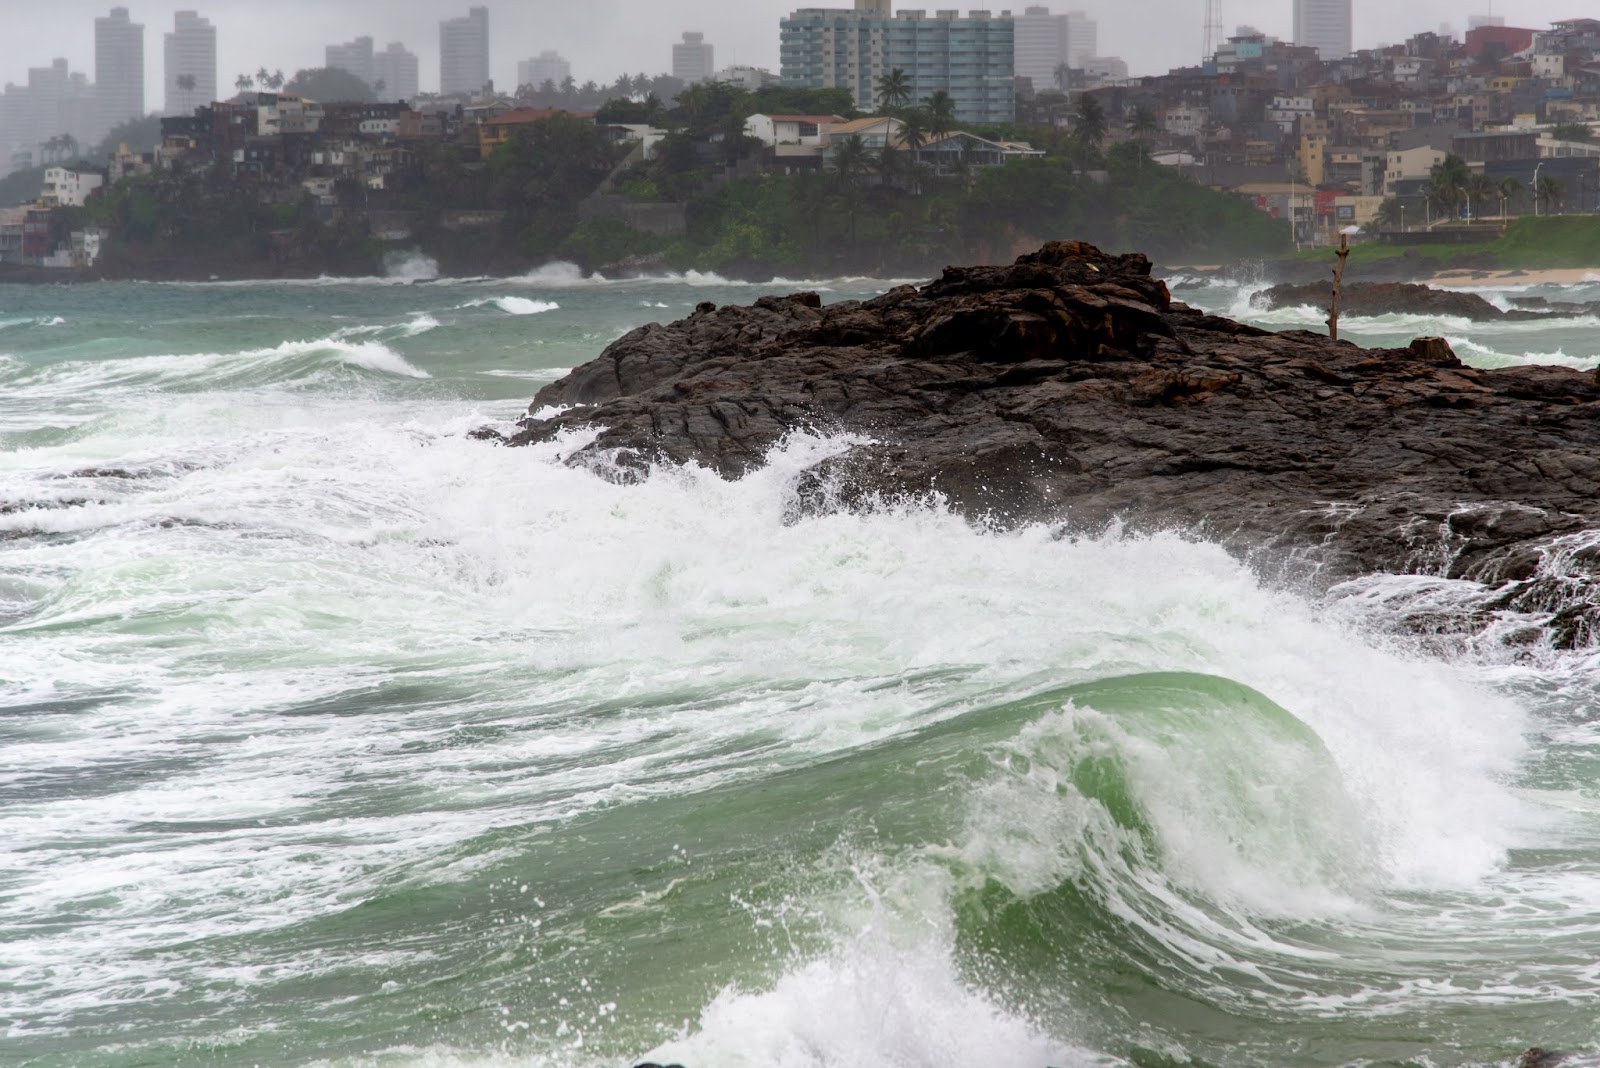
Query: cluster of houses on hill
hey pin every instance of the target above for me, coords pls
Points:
(285, 147)
(1324, 144)
(1321, 144)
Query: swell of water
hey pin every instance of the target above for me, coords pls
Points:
(331, 733)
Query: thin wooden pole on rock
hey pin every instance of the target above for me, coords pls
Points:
(1343, 252)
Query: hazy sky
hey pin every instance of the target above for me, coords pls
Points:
(604, 38)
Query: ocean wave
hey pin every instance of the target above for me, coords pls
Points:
(287, 362)
(39, 320)
(770, 777)
(570, 275)
(515, 305)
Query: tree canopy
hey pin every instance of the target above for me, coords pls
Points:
(330, 85)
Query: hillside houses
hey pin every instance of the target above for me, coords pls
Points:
(1262, 114)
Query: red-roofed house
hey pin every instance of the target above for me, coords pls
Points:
(492, 133)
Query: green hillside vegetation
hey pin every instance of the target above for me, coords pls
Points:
(867, 212)
(1548, 242)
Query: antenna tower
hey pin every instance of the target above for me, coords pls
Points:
(1213, 29)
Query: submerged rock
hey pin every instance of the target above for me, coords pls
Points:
(1070, 387)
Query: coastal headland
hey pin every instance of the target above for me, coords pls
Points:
(1070, 387)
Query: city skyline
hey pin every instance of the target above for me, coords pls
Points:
(292, 34)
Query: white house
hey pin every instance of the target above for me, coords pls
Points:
(285, 113)
(1186, 120)
(1286, 110)
(792, 135)
(952, 152)
(875, 132)
(65, 187)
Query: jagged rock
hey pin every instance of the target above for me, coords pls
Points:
(1069, 387)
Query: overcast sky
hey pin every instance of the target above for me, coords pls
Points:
(604, 38)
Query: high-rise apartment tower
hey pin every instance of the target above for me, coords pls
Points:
(1324, 25)
(546, 67)
(693, 60)
(971, 57)
(464, 53)
(118, 70)
(396, 69)
(189, 58)
(354, 57)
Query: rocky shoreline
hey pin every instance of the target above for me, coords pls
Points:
(1069, 387)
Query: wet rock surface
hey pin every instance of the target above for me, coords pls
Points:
(1404, 298)
(1069, 387)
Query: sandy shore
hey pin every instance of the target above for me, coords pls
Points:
(1467, 279)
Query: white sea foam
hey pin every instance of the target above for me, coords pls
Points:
(353, 545)
(515, 305)
(412, 266)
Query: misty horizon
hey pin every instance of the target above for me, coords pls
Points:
(293, 34)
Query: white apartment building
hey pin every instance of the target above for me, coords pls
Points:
(64, 187)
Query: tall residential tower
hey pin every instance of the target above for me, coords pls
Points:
(464, 53)
(189, 70)
(1324, 25)
(353, 57)
(396, 69)
(693, 60)
(118, 70)
(549, 67)
(971, 58)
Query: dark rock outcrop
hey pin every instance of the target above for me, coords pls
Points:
(1387, 298)
(1069, 387)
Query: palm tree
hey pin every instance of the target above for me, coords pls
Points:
(894, 90)
(695, 101)
(1550, 189)
(1063, 77)
(1091, 121)
(186, 82)
(1448, 190)
(941, 112)
(849, 158)
(1509, 187)
(914, 130)
(263, 76)
(1142, 123)
(1391, 214)
(275, 82)
(913, 135)
(889, 164)
(1480, 188)
(244, 83)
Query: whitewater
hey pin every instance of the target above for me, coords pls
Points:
(332, 736)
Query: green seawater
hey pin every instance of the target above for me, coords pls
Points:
(330, 736)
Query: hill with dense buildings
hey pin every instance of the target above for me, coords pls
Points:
(1433, 149)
